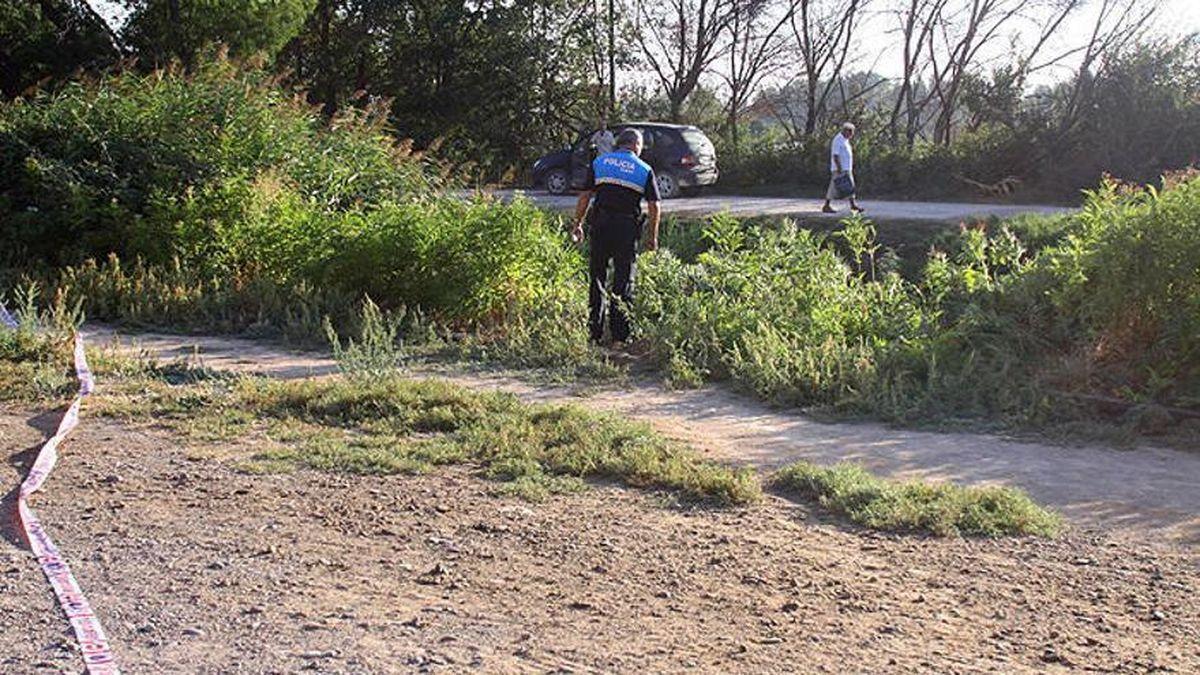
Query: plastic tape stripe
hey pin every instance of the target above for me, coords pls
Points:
(97, 655)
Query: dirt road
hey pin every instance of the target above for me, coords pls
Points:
(197, 567)
(1148, 492)
(878, 210)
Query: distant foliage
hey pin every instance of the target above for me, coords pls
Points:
(162, 31)
(1135, 118)
(49, 41)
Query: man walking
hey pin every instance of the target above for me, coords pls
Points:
(602, 140)
(618, 181)
(841, 168)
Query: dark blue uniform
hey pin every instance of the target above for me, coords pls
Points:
(621, 181)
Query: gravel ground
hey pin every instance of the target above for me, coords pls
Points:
(197, 567)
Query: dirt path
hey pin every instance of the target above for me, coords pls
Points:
(197, 567)
(745, 207)
(1147, 492)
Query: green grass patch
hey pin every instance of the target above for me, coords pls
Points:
(383, 424)
(939, 508)
(390, 425)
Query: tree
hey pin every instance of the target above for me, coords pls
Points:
(161, 31)
(491, 83)
(1118, 23)
(48, 40)
(680, 40)
(943, 42)
(916, 19)
(756, 50)
(960, 33)
(824, 33)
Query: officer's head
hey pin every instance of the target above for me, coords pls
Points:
(630, 139)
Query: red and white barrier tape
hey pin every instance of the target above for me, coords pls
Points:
(97, 655)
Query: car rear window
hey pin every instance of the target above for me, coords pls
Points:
(696, 139)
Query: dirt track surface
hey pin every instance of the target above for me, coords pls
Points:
(1147, 492)
(745, 207)
(196, 567)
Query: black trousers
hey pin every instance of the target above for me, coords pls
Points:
(614, 238)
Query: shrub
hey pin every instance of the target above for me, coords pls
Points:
(1107, 312)
(884, 167)
(216, 200)
(166, 164)
(939, 508)
(777, 310)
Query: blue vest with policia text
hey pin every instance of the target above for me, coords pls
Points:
(621, 181)
(622, 168)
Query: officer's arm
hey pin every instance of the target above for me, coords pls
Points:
(581, 207)
(652, 213)
(650, 192)
(581, 204)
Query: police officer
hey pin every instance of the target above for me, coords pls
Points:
(617, 183)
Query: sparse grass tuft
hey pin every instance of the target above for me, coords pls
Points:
(939, 508)
(397, 425)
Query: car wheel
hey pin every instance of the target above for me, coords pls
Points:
(668, 185)
(557, 181)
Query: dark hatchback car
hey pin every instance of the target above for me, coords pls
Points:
(681, 155)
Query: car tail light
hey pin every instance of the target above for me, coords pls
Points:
(688, 160)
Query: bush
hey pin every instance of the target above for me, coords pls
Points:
(882, 167)
(1106, 313)
(216, 200)
(165, 164)
(777, 310)
(939, 508)
(1116, 306)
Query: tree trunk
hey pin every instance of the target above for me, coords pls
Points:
(810, 107)
(329, 83)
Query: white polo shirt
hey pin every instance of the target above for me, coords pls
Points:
(840, 148)
(604, 142)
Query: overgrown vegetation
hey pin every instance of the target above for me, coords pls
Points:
(216, 168)
(939, 508)
(265, 222)
(214, 201)
(1102, 317)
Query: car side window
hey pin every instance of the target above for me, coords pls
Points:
(664, 139)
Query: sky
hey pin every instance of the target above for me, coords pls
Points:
(1173, 17)
(1176, 17)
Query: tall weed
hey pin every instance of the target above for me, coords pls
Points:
(1106, 316)
(377, 353)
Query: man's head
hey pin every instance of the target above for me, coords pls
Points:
(630, 139)
(848, 129)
